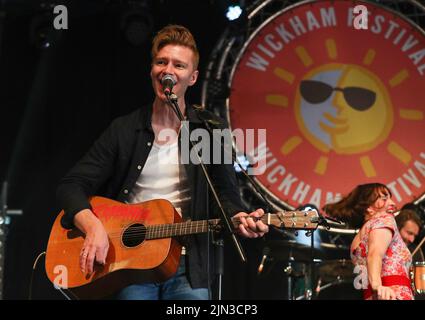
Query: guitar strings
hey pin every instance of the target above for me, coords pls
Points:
(138, 231)
(161, 230)
(180, 228)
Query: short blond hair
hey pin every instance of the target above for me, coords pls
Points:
(177, 35)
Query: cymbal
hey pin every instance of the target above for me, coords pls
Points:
(286, 249)
(291, 250)
(332, 270)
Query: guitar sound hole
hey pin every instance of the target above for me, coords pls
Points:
(134, 235)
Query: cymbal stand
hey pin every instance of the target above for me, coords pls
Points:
(418, 247)
(289, 273)
(5, 214)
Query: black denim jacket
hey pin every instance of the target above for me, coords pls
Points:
(112, 165)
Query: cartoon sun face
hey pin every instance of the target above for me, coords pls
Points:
(344, 108)
(341, 106)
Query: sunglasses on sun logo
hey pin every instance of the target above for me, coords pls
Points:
(357, 98)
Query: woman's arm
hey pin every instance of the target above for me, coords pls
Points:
(379, 240)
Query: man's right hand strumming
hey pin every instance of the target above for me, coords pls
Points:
(96, 244)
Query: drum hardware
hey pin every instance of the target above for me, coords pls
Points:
(5, 214)
(320, 287)
(417, 277)
(292, 250)
(307, 295)
(418, 246)
(266, 252)
(288, 270)
(296, 272)
(336, 269)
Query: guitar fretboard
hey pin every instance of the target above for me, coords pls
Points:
(289, 219)
(180, 229)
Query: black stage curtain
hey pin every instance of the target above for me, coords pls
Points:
(57, 100)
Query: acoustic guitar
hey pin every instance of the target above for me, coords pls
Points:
(142, 245)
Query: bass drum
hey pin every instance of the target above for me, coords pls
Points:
(336, 281)
(418, 278)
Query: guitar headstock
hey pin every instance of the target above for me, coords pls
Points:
(300, 220)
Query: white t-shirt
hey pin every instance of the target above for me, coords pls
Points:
(163, 177)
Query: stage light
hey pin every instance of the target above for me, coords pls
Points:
(237, 16)
(244, 162)
(233, 12)
(136, 23)
(41, 33)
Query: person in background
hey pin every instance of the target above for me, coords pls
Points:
(409, 224)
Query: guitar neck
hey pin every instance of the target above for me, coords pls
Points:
(288, 219)
(180, 229)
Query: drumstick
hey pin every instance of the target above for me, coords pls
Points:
(419, 245)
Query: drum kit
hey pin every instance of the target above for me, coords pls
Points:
(314, 269)
(417, 275)
(324, 271)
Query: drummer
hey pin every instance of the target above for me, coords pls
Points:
(409, 224)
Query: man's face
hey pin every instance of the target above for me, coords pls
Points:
(177, 61)
(409, 232)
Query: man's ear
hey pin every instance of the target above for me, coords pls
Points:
(193, 77)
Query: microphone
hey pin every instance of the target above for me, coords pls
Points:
(266, 252)
(168, 82)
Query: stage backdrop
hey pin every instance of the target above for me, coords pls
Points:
(341, 106)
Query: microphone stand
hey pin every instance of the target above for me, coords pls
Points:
(5, 213)
(219, 265)
(172, 99)
(243, 171)
(309, 294)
